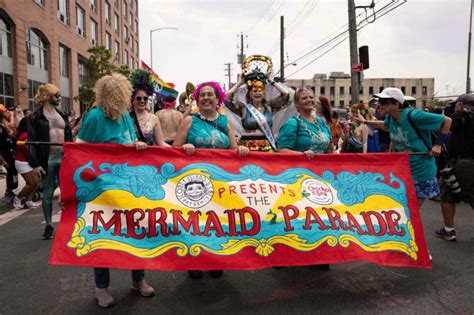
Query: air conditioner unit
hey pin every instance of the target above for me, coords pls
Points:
(79, 30)
(93, 41)
(93, 7)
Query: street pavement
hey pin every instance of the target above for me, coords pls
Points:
(30, 286)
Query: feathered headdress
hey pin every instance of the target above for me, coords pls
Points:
(142, 79)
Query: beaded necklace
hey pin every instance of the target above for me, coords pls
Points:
(315, 137)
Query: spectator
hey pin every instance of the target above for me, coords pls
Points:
(457, 181)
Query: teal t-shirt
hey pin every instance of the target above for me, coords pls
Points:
(405, 139)
(298, 134)
(209, 135)
(97, 128)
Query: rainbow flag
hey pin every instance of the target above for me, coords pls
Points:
(163, 88)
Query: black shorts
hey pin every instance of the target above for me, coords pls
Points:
(464, 172)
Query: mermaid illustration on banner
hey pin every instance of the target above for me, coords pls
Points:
(258, 100)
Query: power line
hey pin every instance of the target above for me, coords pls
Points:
(299, 14)
(300, 22)
(386, 8)
(264, 12)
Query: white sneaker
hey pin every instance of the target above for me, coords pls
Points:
(32, 205)
(18, 203)
(103, 297)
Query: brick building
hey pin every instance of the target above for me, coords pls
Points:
(337, 87)
(46, 41)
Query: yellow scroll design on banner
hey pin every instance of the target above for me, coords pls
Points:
(82, 248)
(263, 247)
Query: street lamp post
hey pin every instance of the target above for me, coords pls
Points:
(151, 41)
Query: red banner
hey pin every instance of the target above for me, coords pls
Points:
(162, 209)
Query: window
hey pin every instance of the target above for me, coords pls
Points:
(5, 39)
(130, 19)
(381, 89)
(332, 103)
(127, 59)
(371, 91)
(341, 90)
(125, 9)
(6, 90)
(413, 90)
(403, 89)
(116, 3)
(424, 90)
(116, 23)
(332, 90)
(36, 50)
(83, 71)
(32, 89)
(132, 63)
(132, 43)
(94, 5)
(107, 14)
(80, 21)
(136, 46)
(108, 41)
(66, 104)
(136, 27)
(93, 29)
(423, 103)
(125, 34)
(40, 2)
(64, 54)
(341, 103)
(117, 52)
(322, 90)
(63, 11)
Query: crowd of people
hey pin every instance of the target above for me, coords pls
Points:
(442, 147)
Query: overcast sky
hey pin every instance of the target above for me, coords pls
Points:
(417, 39)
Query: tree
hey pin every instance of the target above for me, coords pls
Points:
(98, 65)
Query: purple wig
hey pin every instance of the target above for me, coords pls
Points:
(217, 90)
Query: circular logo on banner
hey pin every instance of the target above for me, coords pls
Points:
(316, 191)
(194, 191)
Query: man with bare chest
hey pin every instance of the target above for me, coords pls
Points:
(170, 119)
(48, 124)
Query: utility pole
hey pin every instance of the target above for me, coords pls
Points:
(228, 74)
(468, 78)
(354, 55)
(241, 56)
(282, 48)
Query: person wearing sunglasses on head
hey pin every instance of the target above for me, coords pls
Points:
(147, 125)
(49, 124)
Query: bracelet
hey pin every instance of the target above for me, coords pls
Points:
(272, 82)
(442, 138)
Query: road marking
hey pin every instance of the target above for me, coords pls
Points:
(10, 215)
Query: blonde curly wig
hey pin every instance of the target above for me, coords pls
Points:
(113, 94)
(44, 93)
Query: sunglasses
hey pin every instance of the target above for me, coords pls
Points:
(140, 98)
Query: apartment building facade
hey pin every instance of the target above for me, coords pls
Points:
(337, 87)
(46, 41)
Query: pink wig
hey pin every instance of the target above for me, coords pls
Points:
(217, 89)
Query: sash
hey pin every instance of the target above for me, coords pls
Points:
(262, 123)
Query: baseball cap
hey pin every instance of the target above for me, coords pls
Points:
(391, 92)
(466, 99)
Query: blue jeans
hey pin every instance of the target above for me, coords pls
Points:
(102, 277)
(50, 183)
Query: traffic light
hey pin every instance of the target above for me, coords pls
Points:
(364, 56)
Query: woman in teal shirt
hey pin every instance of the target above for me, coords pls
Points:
(304, 132)
(207, 129)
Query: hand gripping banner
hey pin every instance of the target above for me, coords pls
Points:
(162, 209)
